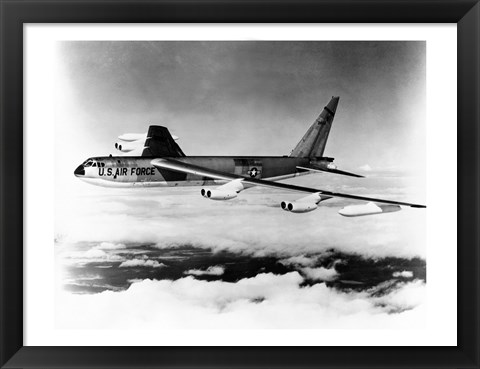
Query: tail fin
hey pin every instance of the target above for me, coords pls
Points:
(313, 142)
(159, 143)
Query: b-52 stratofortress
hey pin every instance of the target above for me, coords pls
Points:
(161, 163)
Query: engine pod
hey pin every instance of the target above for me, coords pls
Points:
(218, 194)
(298, 206)
(368, 209)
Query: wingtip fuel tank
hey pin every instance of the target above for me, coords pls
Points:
(368, 209)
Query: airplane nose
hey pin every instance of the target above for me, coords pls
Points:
(80, 171)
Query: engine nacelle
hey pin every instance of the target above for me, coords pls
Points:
(128, 146)
(218, 194)
(122, 147)
(299, 206)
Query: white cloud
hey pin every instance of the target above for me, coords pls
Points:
(167, 217)
(212, 270)
(95, 254)
(365, 168)
(320, 274)
(299, 260)
(110, 246)
(177, 217)
(81, 279)
(91, 255)
(264, 301)
(135, 280)
(141, 263)
(404, 297)
(404, 274)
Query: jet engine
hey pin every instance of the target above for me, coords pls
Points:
(299, 206)
(218, 194)
(128, 146)
(303, 205)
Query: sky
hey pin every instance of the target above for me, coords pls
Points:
(247, 98)
(240, 98)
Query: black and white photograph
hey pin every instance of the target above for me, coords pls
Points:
(240, 185)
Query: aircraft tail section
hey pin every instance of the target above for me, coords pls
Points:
(314, 141)
(160, 143)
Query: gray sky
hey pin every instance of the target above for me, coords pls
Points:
(246, 98)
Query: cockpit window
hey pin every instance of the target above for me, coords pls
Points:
(93, 163)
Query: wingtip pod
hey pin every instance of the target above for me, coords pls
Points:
(368, 209)
(129, 137)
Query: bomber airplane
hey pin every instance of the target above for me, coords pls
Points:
(161, 163)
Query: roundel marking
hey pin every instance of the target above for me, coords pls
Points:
(253, 172)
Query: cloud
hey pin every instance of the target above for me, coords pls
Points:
(174, 217)
(264, 301)
(404, 274)
(404, 297)
(91, 255)
(212, 270)
(84, 278)
(110, 246)
(320, 274)
(95, 254)
(299, 260)
(365, 168)
(141, 263)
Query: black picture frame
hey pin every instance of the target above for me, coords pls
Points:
(15, 13)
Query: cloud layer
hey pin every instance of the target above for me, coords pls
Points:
(132, 263)
(253, 223)
(212, 270)
(320, 274)
(264, 301)
(404, 274)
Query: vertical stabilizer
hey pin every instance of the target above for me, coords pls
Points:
(313, 142)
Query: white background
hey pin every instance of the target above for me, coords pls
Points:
(39, 263)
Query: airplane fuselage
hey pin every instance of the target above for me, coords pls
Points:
(161, 162)
(134, 171)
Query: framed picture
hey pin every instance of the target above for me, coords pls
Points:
(268, 184)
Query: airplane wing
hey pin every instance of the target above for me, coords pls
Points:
(331, 170)
(238, 183)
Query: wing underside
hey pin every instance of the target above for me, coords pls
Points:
(239, 183)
